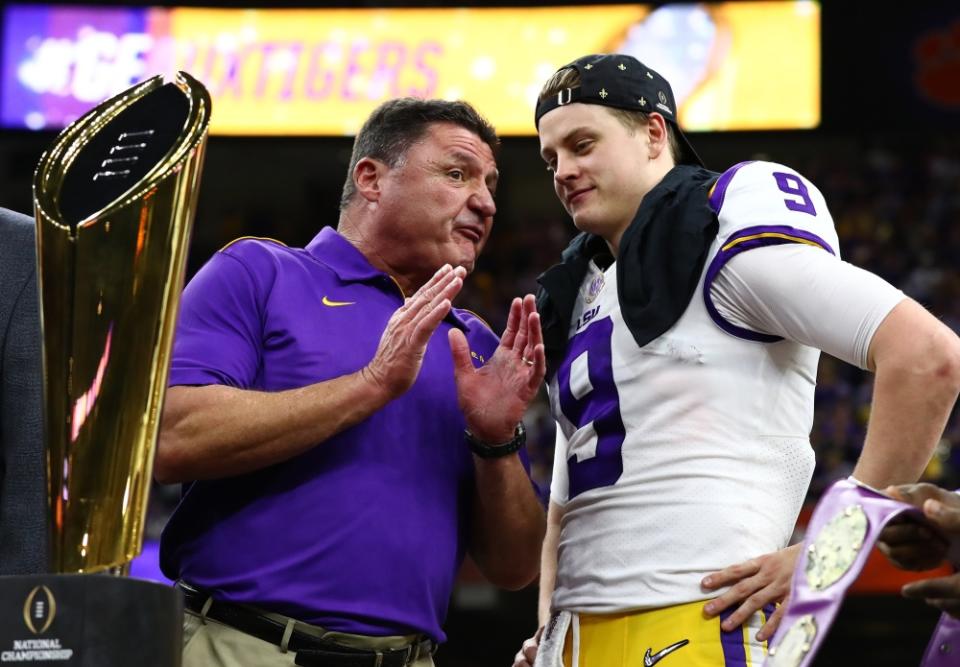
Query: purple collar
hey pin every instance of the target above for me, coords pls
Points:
(334, 251)
(845, 525)
(341, 256)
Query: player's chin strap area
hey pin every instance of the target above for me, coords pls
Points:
(845, 525)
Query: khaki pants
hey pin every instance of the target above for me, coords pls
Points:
(209, 643)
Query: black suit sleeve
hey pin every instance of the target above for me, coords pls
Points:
(23, 523)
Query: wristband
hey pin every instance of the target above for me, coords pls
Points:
(487, 451)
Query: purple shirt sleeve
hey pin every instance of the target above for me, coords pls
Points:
(218, 339)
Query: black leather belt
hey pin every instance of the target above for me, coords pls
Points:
(310, 651)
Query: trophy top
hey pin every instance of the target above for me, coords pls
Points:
(117, 150)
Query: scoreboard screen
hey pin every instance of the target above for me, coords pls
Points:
(733, 66)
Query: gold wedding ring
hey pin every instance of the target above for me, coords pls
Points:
(528, 362)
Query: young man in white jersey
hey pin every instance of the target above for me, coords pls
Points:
(683, 328)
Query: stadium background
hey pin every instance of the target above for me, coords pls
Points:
(886, 156)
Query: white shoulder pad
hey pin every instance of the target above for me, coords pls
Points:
(765, 200)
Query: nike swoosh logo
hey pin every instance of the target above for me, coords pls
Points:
(334, 304)
(651, 660)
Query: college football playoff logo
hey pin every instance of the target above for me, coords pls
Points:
(39, 609)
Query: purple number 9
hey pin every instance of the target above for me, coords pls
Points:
(599, 405)
(792, 185)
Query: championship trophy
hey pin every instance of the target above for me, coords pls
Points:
(114, 199)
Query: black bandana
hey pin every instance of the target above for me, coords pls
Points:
(662, 254)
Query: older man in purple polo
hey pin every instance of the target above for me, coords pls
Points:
(345, 436)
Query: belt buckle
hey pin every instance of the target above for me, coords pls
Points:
(413, 653)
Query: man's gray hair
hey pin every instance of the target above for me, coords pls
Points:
(396, 125)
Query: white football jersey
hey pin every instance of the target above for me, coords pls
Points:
(691, 453)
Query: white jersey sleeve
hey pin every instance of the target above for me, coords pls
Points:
(758, 205)
(837, 310)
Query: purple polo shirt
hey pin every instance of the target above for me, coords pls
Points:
(365, 532)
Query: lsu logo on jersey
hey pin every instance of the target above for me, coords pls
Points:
(593, 291)
(590, 294)
(587, 316)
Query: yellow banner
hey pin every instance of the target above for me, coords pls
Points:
(733, 66)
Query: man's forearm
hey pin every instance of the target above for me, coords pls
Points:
(217, 431)
(917, 379)
(508, 523)
(907, 419)
(548, 562)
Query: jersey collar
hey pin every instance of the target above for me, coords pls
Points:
(334, 251)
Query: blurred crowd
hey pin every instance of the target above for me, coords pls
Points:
(897, 211)
(897, 216)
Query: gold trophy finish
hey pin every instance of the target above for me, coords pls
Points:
(114, 198)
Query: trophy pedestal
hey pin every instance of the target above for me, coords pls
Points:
(89, 620)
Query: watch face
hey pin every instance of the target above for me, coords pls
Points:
(795, 645)
(836, 547)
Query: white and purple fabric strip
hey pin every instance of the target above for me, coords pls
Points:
(748, 239)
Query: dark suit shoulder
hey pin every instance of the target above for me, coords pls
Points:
(17, 258)
(23, 522)
(17, 234)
